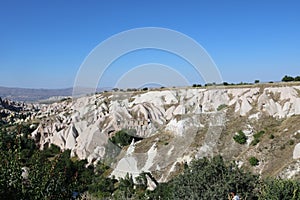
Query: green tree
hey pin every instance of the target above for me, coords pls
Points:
(102, 187)
(297, 78)
(125, 188)
(52, 174)
(196, 85)
(124, 137)
(208, 179)
(287, 79)
(279, 189)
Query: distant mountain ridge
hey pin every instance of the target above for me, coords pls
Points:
(32, 95)
(35, 95)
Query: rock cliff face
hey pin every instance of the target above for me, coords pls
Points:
(178, 125)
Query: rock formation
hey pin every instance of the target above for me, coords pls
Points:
(177, 125)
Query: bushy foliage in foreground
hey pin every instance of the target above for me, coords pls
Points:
(53, 175)
(209, 179)
(279, 189)
(27, 173)
(48, 174)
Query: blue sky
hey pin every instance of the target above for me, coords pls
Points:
(43, 43)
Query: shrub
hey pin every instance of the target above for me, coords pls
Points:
(240, 138)
(257, 137)
(255, 141)
(196, 85)
(208, 84)
(256, 81)
(124, 137)
(221, 107)
(253, 161)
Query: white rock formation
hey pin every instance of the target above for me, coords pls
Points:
(296, 153)
(85, 124)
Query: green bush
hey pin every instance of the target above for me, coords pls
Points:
(196, 85)
(124, 137)
(240, 138)
(257, 137)
(253, 161)
(221, 107)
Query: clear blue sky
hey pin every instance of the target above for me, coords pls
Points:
(43, 43)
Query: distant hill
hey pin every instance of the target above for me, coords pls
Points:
(32, 95)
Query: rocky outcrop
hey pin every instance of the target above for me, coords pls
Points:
(12, 112)
(192, 119)
(296, 153)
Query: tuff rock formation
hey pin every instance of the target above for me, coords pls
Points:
(177, 125)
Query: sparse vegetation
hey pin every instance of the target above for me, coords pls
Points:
(209, 84)
(291, 142)
(221, 107)
(257, 137)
